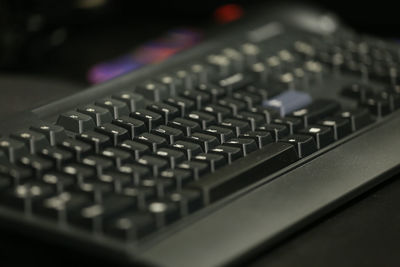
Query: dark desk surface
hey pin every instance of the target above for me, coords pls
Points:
(365, 232)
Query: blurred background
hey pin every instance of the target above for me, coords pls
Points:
(49, 49)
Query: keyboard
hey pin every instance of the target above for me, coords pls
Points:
(205, 158)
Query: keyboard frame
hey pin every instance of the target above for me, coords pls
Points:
(170, 246)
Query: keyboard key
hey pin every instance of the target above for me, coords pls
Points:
(262, 138)
(246, 145)
(316, 111)
(75, 122)
(38, 164)
(164, 212)
(79, 171)
(150, 119)
(293, 124)
(152, 91)
(131, 226)
(288, 101)
(169, 133)
(155, 164)
(115, 107)
(323, 135)
(196, 168)
(340, 127)
(213, 91)
(23, 197)
(233, 104)
(174, 86)
(33, 140)
(115, 133)
(173, 156)
(17, 174)
(132, 100)
(55, 134)
(98, 114)
(377, 106)
(78, 148)
(92, 216)
(153, 141)
(219, 112)
(133, 126)
(96, 140)
(229, 152)
(187, 200)
(13, 149)
(59, 207)
(95, 189)
(185, 125)
(118, 156)
(59, 181)
(304, 144)
(198, 97)
(358, 118)
(100, 164)
(183, 104)
(277, 131)
(136, 149)
(237, 126)
(159, 185)
(255, 120)
(205, 141)
(221, 133)
(167, 112)
(202, 118)
(269, 114)
(180, 177)
(136, 171)
(246, 171)
(214, 161)
(190, 149)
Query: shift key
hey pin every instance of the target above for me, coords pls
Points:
(245, 171)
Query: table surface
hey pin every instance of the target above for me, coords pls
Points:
(364, 232)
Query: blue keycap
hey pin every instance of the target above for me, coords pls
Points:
(288, 101)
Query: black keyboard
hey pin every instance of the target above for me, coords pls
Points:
(205, 158)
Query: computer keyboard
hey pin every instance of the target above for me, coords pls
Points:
(202, 159)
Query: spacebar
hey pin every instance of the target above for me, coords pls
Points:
(245, 171)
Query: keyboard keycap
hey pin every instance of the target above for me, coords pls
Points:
(187, 200)
(136, 149)
(246, 145)
(98, 114)
(155, 164)
(183, 104)
(169, 133)
(38, 164)
(17, 174)
(118, 156)
(153, 141)
(229, 152)
(100, 164)
(358, 118)
(152, 91)
(221, 133)
(164, 212)
(246, 171)
(196, 168)
(237, 126)
(55, 134)
(276, 130)
(205, 141)
(75, 122)
(167, 112)
(202, 118)
(340, 127)
(132, 100)
(115, 133)
(131, 226)
(33, 140)
(173, 156)
(323, 135)
(78, 148)
(96, 140)
(190, 149)
(180, 177)
(115, 107)
(304, 144)
(219, 112)
(316, 111)
(13, 149)
(133, 126)
(59, 181)
(150, 119)
(262, 138)
(214, 161)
